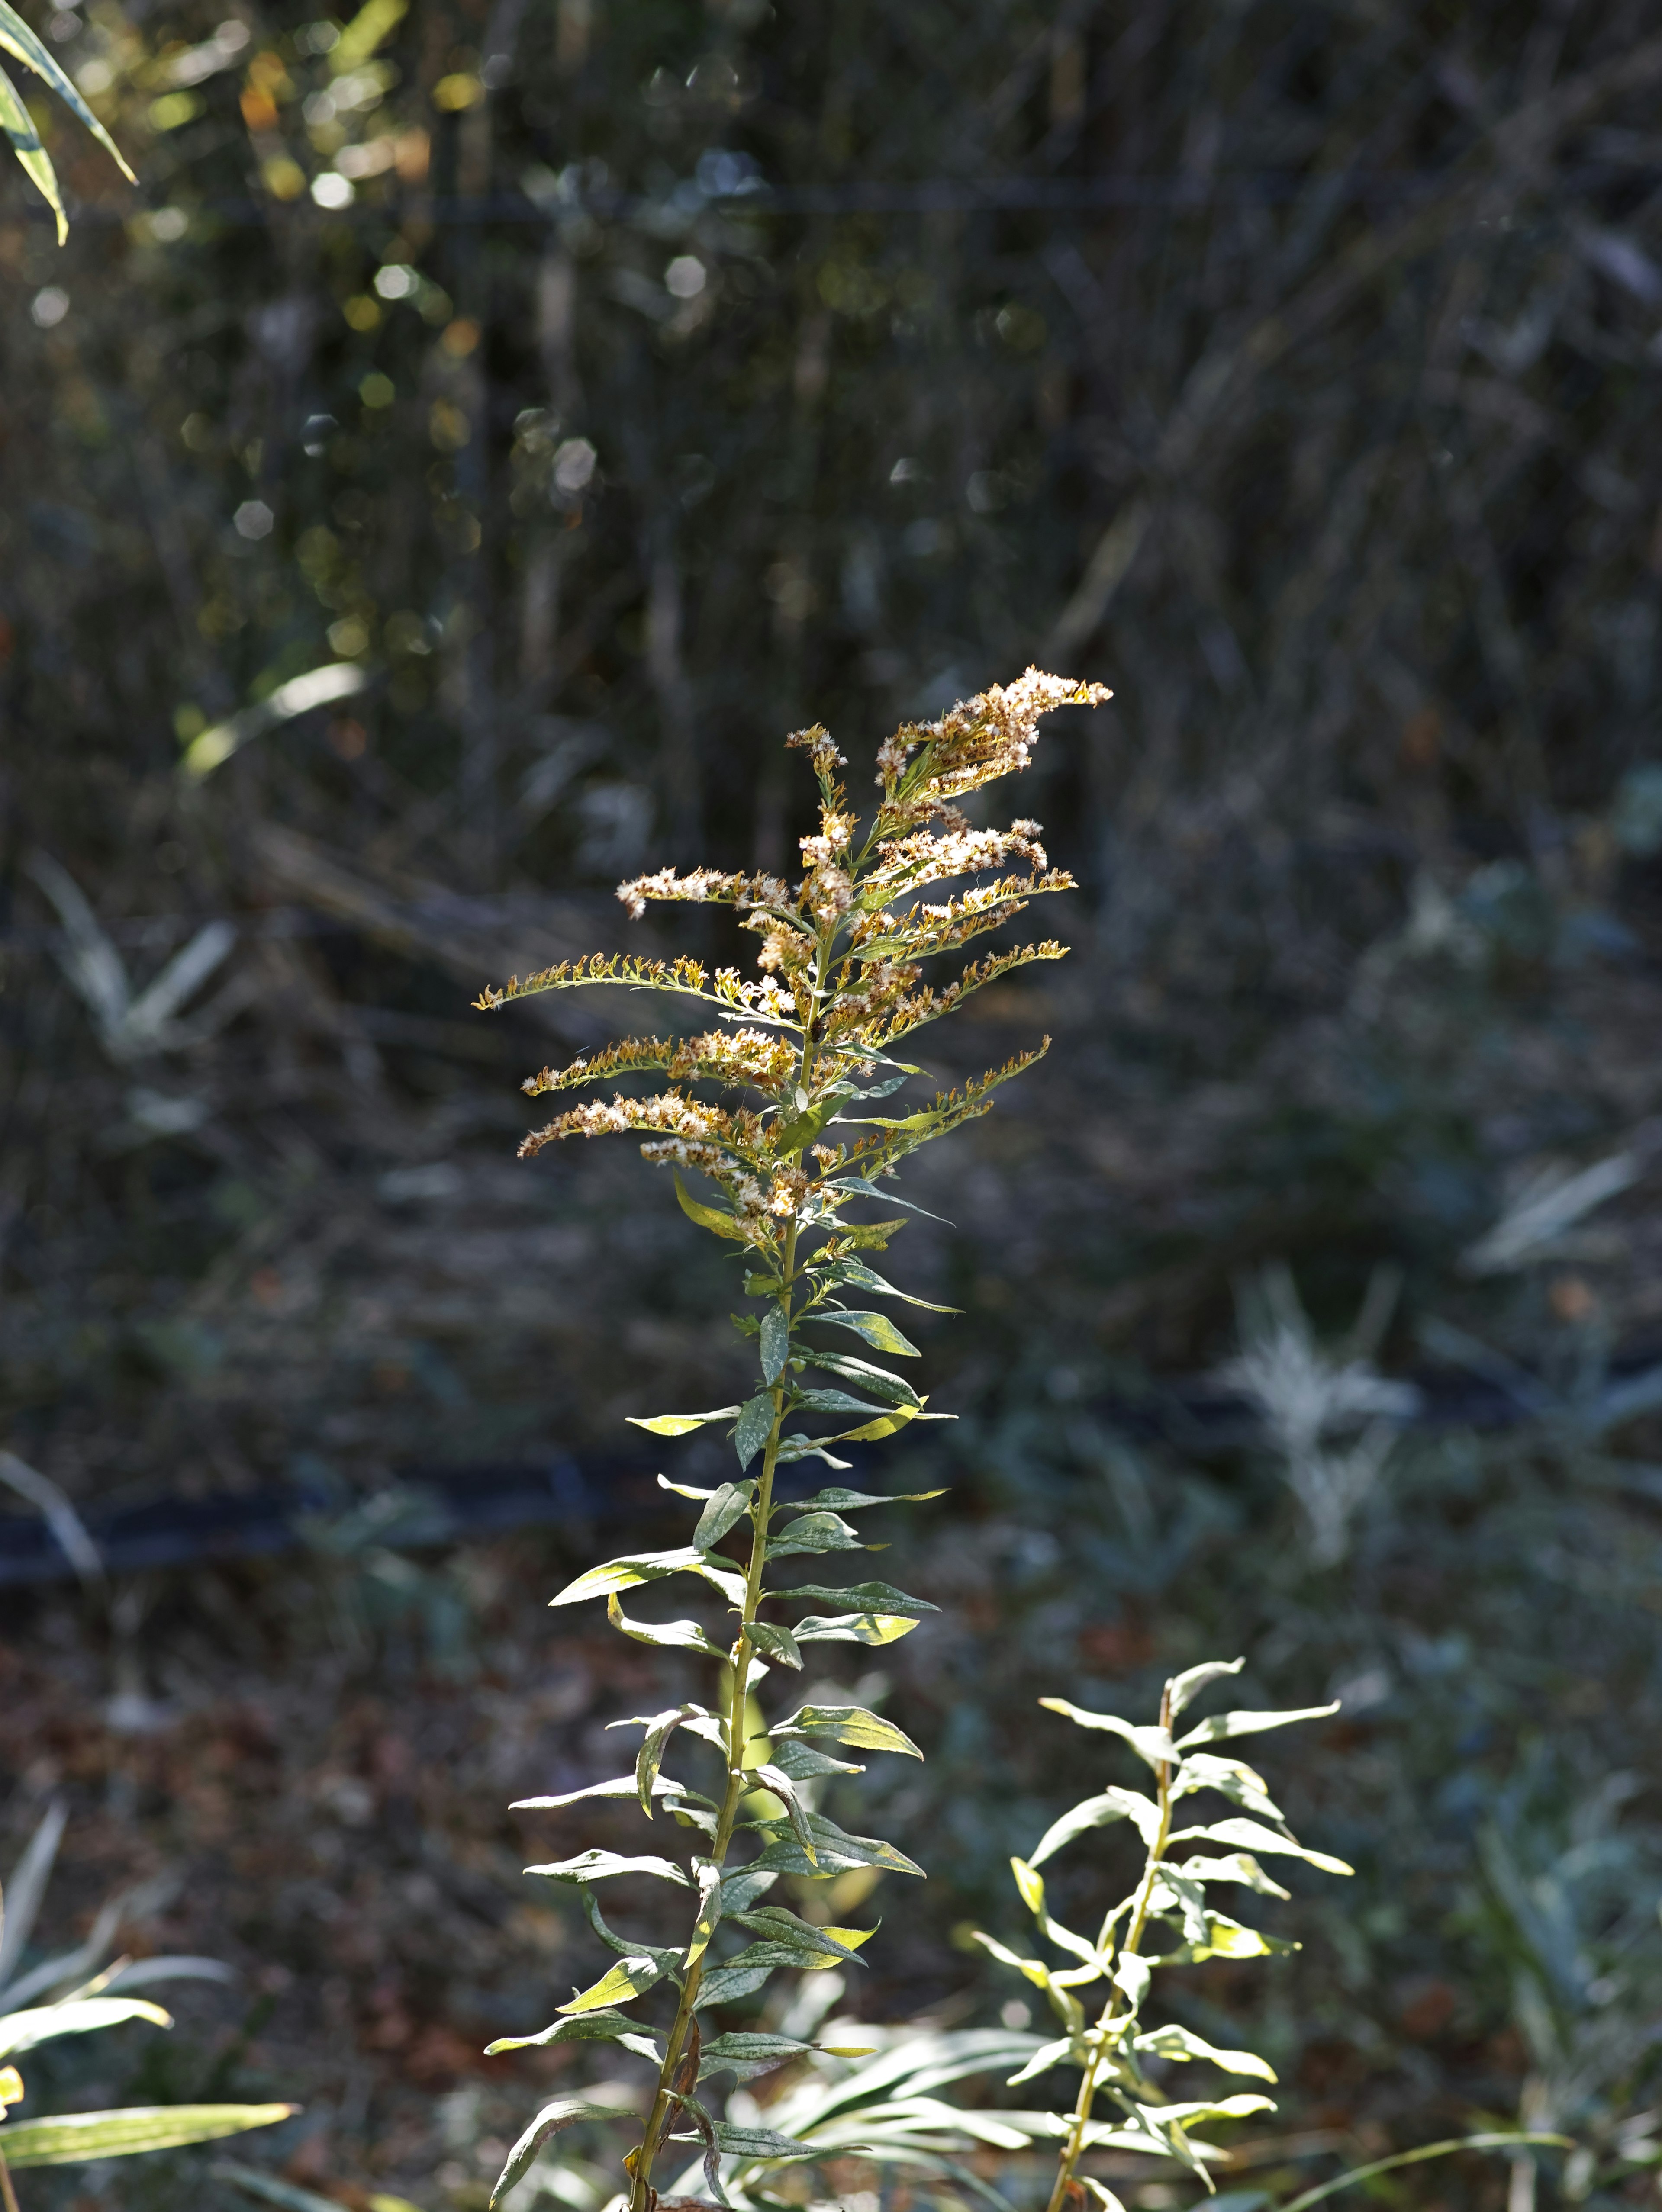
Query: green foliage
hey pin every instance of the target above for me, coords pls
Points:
(842, 963)
(18, 39)
(1172, 1891)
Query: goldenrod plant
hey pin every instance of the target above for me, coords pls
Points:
(63, 1996)
(25, 45)
(808, 1055)
(1171, 1895)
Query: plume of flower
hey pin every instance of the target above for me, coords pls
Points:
(790, 1184)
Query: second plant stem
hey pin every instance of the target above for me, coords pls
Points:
(1073, 2148)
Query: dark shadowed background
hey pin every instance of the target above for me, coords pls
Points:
(434, 495)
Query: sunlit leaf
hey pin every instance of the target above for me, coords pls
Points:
(678, 1424)
(849, 1724)
(24, 2031)
(552, 2118)
(76, 2136)
(600, 1866)
(876, 1328)
(1213, 1730)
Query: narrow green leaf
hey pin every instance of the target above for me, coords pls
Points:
(775, 1778)
(1224, 1724)
(1063, 2052)
(814, 1533)
(18, 39)
(649, 1567)
(726, 1984)
(600, 1866)
(1152, 1745)
(678, 1424)
(756, 1417)
(849, 1724)
(836, 1500)
(1132, 1975)
(631, 1977)
(775, 1643)
(763, 2143)
(811, 1946)
(834, 1849)
(1181, 2042)
(689, 2108)
(747, 2055)
(867, 1279)
(626, 1947)
(876, 1328)
(1252, 1835)
(602, 2027)
(893, 1389)
(1508, 2141)
(870, 1597)
(1230, 1777)
(800, 1446)
(710, 1910)
(1187, 1686)
(19, 126)
(621, 1785)
(552, 2118)
(853, 1628)
(1239, 1866)
(775, 1343)
(709, 1217)
(803, 1763)
(23, 2031)
(669, 1635)
(726, 1508)
(1098, 1813)
(75, 2136)
(834, 1401)
(659, 1728)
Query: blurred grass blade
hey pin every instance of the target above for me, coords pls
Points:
(318, 687)
(59, 1516)
(81, 2136)
(1415, 2157)
(18, 126)
(20, 1903)
(20, 42)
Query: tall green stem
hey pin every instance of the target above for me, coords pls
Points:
(1073, 2148)
(663, 2103)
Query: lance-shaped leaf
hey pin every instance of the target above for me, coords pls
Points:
(726, 1984)
(1131, 1976)
(839, 1401)
(600, 1866)
(631, 1977)
(1152, 1745)
(600, 2026)
(835, 1850)
(18, 39)
(803, 1763)
(774, 1643)
(893, 1389)
(885, 1425)
(875, 1328)
(552, 2118)
(870, 1597)
(740, 1890)
(1174, 2042)
(24, 2031)
(1230, 1777)
(763, 2143)
(709, 1909)
(1185, 1688)
(747, 2055)
(755, 1426)
(839, 1500)
(807, 1942)
(678, 1424)
(854, 1628)
(709, 1217)
(867, 1279)
(1174, 1892)
(775, 1343)
(659, 1730)
(1238, 1865)
(703, 2130)
(75, 2137)
(799, 1445)
(1067, 2051)
(1113, 1805)
(667, 1961)
(651, 1567)
(1219, 1725)
(815, 1532)
(621, 1785)
(849, 1724)
(1031, 1888)
(19, 126)
(1061, 1998)
(667, 1635)
(1252, 1835)
(1228, 1939)
(796, 1811)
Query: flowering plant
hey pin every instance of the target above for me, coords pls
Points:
(808, 1056)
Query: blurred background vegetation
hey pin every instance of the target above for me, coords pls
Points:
(593, 391)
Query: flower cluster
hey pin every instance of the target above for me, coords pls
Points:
(976, 742)
(820, 748)
(703, 883)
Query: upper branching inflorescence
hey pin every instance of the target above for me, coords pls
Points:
(805, 1143)
(1112, 2052)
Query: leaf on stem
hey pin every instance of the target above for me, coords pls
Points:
(709, 1909)
(775, 1643)
(1219, 1725)
(650, 1567)
(1152, 1745)
(621, 1785)
(709, 1217)
(854, 1628)
(834, 1849)
(775, 1343)
(815, 1532)
(727, 1506)
(23, 2031)
(850, 1501)
(876, 1328)
(1097, 1813)
(1182, 1689)
(894, 1389)
(1174, 2042)
(678, 1424)
(1254, 1836)
(755, 1426)
(631, 1977)
(669, 1635)
(867, 1279)
(552, 2118)
(849, 1724)
(602, 2027)
(600, 1866)
(870, 1597)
